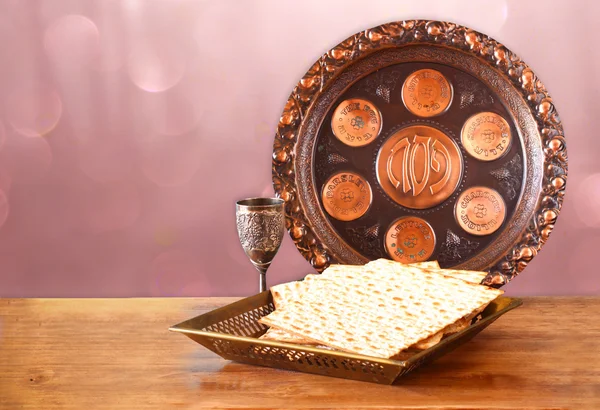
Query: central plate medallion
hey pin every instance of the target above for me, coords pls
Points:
(419, 166)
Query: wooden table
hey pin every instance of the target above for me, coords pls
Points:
(117, 354)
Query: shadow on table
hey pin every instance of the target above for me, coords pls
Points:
(461, 367)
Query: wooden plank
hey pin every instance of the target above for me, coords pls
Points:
(118, 354)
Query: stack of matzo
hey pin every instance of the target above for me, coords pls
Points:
(379, 309)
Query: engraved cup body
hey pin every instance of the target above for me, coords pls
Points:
(261, 226)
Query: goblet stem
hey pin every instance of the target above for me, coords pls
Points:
(262, 279)
(262, 282)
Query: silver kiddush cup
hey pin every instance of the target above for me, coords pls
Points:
(261, 225)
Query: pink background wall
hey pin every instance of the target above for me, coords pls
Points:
(130, 127)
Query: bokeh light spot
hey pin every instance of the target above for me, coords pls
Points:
(133, 5)
(165, 236)
(156, 67)
(34, 112)
(71, 41)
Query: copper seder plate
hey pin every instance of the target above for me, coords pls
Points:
(421, 140)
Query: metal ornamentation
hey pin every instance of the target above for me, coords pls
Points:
(486, 136)
(410, 239)
(409, 150)
(419, 167)
(356, 122)
(529, 174)
(260, 225)
(480, 211)
(346, 196)
(427, 93)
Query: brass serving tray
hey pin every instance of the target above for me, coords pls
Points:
(232, 332)
(361, 149)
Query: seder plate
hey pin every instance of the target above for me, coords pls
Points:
(421, 140)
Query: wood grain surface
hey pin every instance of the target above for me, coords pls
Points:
(117, 354)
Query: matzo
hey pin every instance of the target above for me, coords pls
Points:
(279, 335)
(289, 291)
(466, 275)
(379, 315)
(382, 268)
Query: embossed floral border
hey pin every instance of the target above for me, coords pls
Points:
(399, 34)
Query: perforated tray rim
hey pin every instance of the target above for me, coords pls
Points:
(232, 332)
